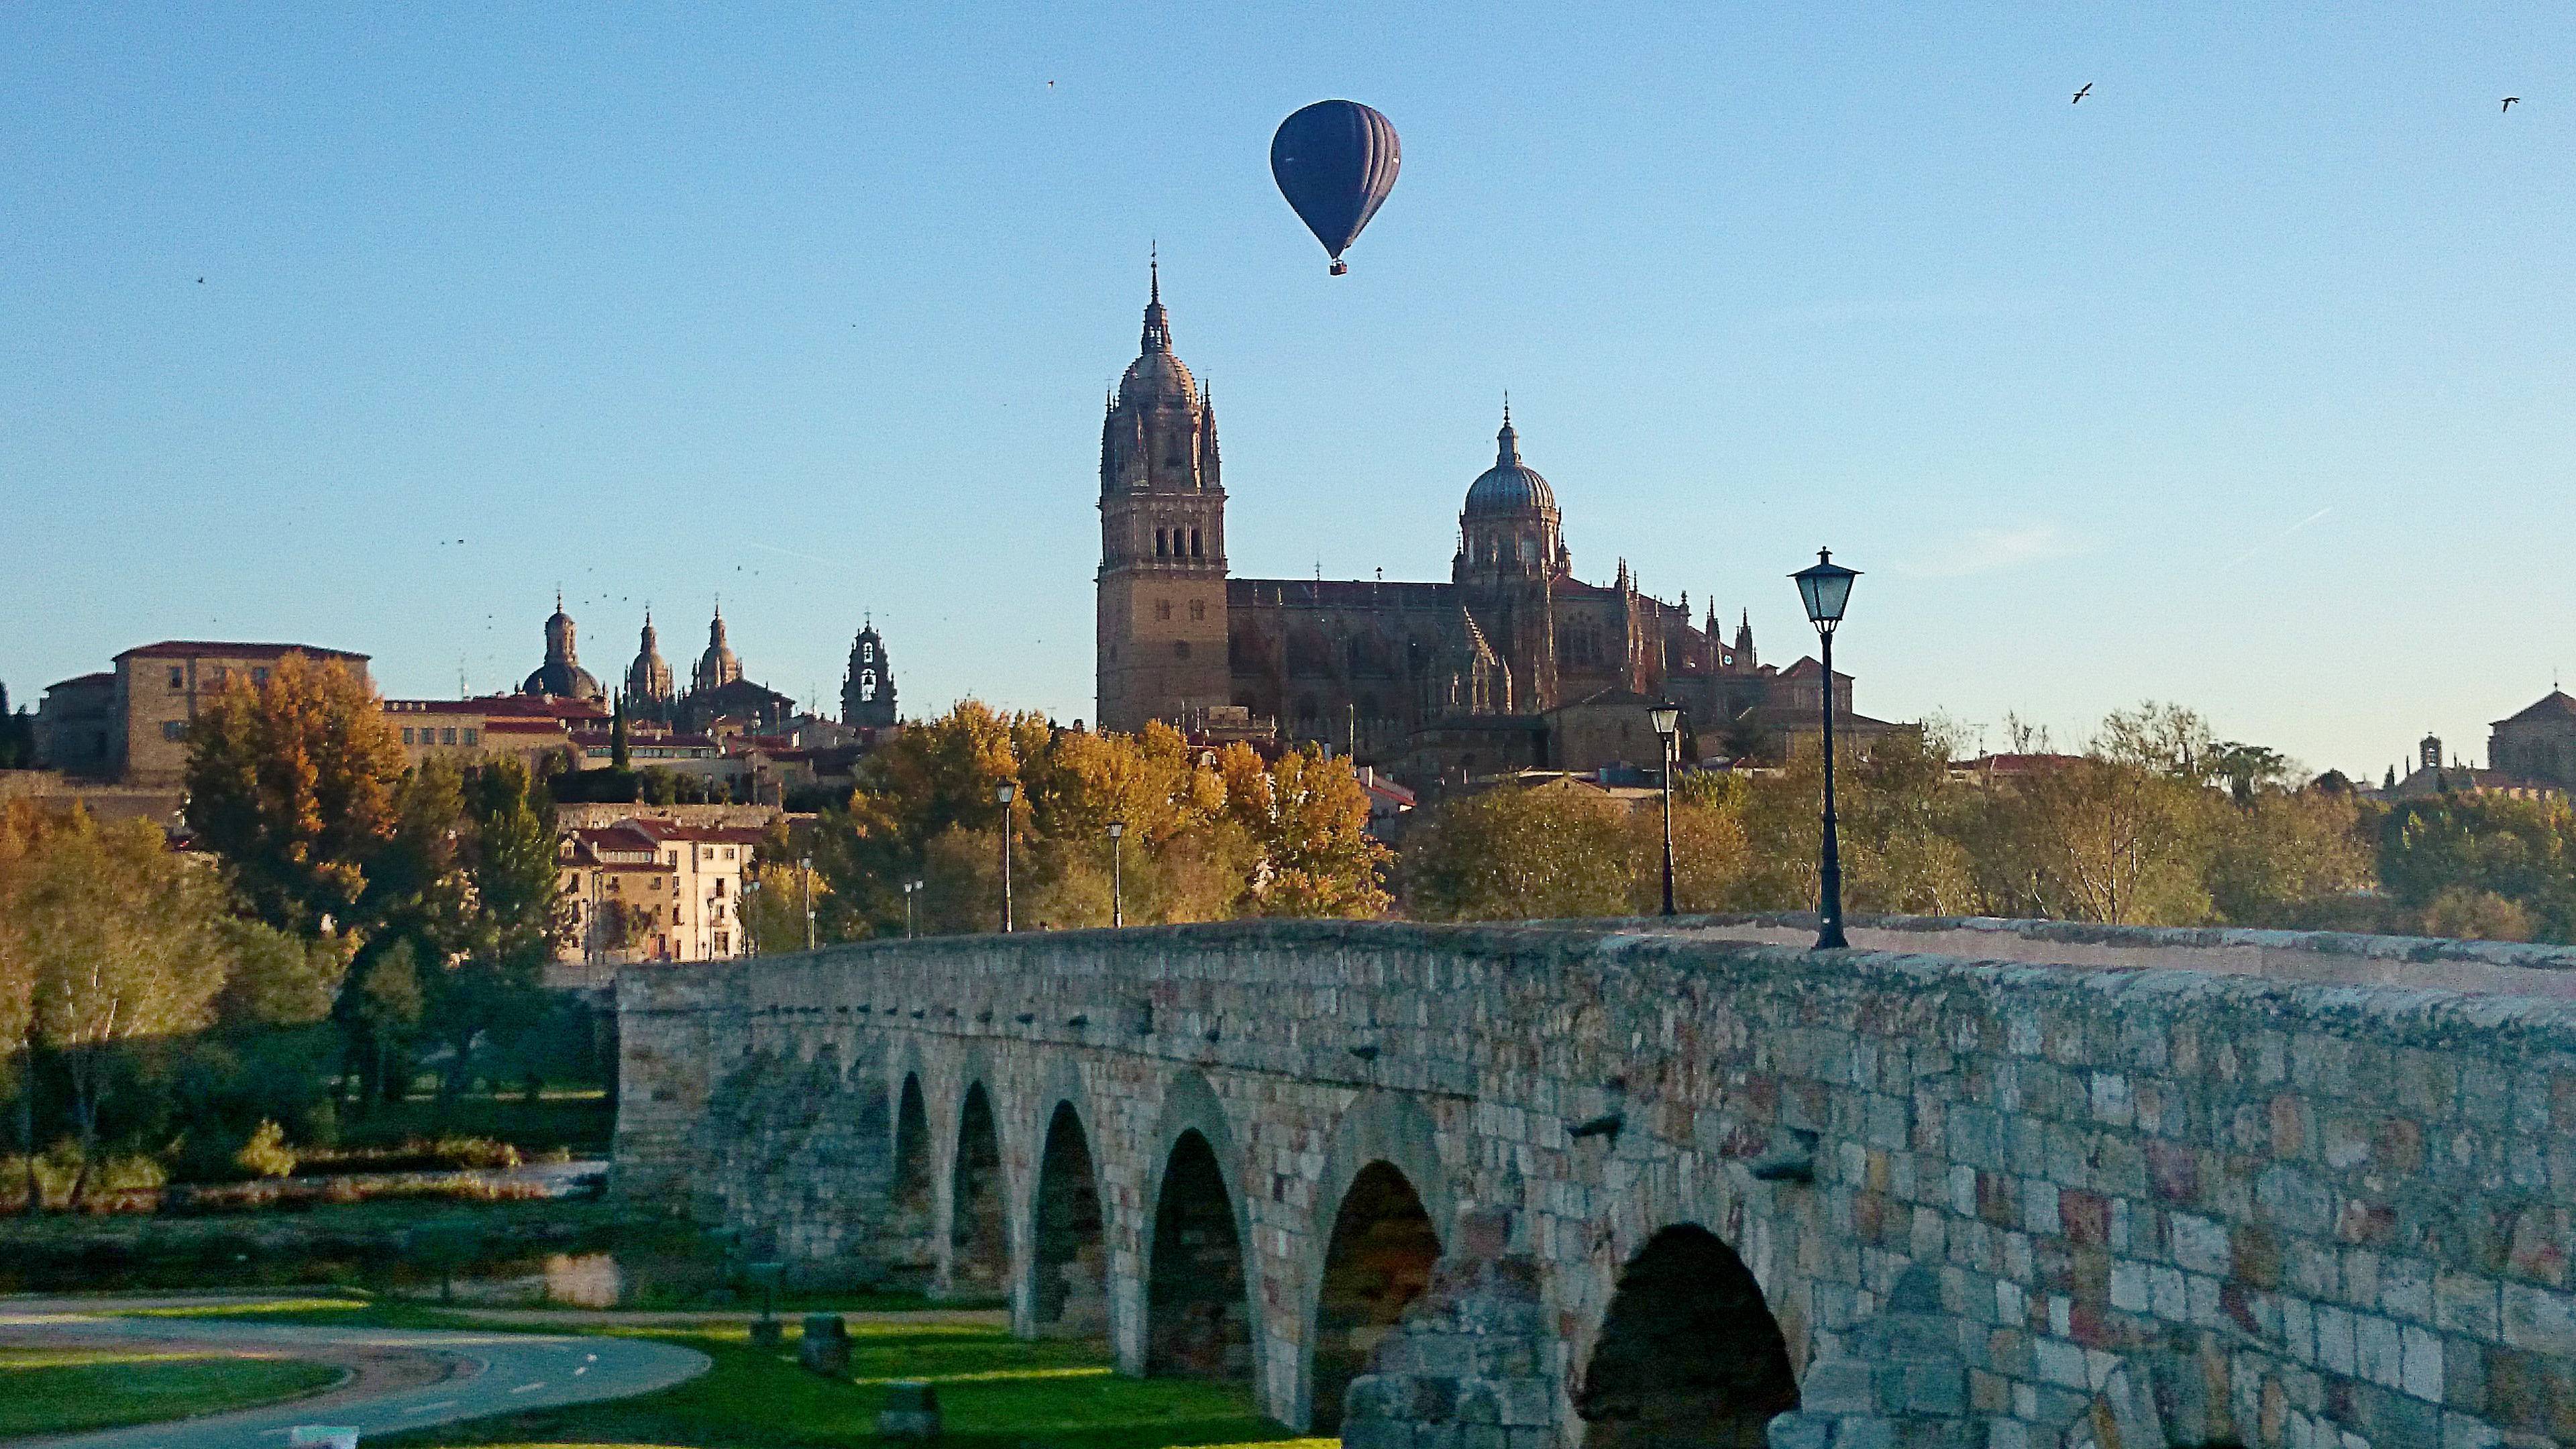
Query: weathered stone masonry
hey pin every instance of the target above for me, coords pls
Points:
(2113, 1207)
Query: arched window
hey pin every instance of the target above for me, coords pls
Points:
(1194, 544)
(1162, 544)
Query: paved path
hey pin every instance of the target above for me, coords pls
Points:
(473, 1374)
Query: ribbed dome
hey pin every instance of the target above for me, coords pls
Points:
(1510, 486)
(1157, 376)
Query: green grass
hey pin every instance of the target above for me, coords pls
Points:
(995, 1391)
(61, 1391)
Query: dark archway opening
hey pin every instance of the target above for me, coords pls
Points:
(1198, 1316)
(1689, 1357)
(912, 1244)
(1378, 1261)
(979, 1247)
(1071, 1297)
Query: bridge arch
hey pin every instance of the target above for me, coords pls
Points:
(912, 1196)
(1067, 1293)
(979, 1233)
(1202, 1278)
(1688, 1355)
(1383, 1213)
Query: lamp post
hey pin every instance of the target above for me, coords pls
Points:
(805, 885)
(1117, 873)
(908, 888)
(1668, 724)
(1824, 587)
(1004, 793)
(751, 917)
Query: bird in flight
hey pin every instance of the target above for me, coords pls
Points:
(2508, 103)
(2080, 95)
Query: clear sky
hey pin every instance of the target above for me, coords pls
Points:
(2245, 383)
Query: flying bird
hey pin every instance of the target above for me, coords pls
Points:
(201, 281)
(2080, 95)
(2508, 105)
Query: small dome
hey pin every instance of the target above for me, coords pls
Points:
(1157, 377)
(1510, 486)
(562, 679)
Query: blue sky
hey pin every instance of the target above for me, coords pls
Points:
(2245, 383)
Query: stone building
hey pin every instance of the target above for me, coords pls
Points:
(1511, 663)
(2538, 743)
(562, 676)
(648, 679)
(652, 889)
(130, 724)
(867, 691)
(717, 667)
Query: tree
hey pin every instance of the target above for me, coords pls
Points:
(619, 755)
(292, 782)
(17, 736)
(1540, 853)
(1307, 818)
(119, 942)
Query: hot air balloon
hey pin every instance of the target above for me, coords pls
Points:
(1335, 161)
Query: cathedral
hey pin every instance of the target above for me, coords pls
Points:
(1513, 663)
(714, 689)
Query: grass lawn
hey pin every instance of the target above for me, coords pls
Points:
(59, 1391)
(997, 1392)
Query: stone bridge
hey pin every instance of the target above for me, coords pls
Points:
(1621, 1183)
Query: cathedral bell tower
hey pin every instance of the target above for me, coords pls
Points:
(1162, 633)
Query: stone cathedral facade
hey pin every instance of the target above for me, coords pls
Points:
(1513, 662)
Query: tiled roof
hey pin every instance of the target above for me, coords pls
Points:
(2553, 705)
(194, 648)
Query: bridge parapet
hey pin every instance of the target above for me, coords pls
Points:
(2235, 1207)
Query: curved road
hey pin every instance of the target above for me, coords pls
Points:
(485, 1373)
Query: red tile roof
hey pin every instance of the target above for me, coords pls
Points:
(194, 648)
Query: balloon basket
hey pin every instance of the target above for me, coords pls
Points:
(1341, 269)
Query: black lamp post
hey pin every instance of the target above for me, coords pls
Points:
(1668, 724)
(908, 888)
(805, 878)
(1004, 793)
(1117, 873)
(1825, 587)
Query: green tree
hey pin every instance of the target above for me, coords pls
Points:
(1539, 853)
(120, 945)
(292, 783)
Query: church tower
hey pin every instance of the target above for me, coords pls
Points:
(1161, 637)
(867, 691)
(648, 679)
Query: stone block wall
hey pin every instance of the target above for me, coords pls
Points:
(2281, 1213)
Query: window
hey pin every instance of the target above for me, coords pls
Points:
(471, 733)
(178, 677)
(868, 653)
(174, 729)
(1162, 608)
(1198, 608)
(447, 736)
(406, 734)
(615, 884)
(1162, 544)
(724, 943)
(719, 887)
(1194, 544)
(728, 852)
(259, 674)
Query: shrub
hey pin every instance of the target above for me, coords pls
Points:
(266, 1153)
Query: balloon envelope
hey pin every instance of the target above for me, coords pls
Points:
(1335, 161)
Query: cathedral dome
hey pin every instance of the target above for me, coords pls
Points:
(1157, 377)
(1510, 486)
(561, 675)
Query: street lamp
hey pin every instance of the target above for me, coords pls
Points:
(751, 917)
(1004, 793)
(1825, 586)
(1117, 873)
(908, 888)
(805, 881)
(1668, 725)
